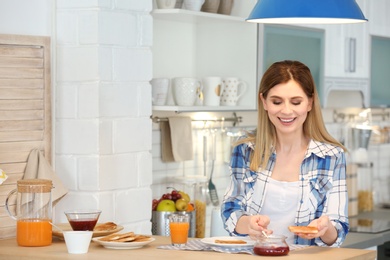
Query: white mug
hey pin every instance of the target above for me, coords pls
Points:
(160, 88)
(193, 5)
(212, 89)
(166, 4)
(186, 91)
(233, 89)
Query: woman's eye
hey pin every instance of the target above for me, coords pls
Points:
(296, 103)
(277, 102)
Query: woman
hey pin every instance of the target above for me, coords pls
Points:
(290, 171)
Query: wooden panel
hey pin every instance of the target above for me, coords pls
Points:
(21, 115)
(17, 105)
(25, 83)
(32, 135)
(25, 110)
(21, 125)
(21, 51)
(21, 62)
(8, 231)
(21, 93)
(24, 73)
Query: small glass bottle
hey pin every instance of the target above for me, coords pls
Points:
(273, 245)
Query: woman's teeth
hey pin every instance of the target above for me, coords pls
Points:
(287, 120)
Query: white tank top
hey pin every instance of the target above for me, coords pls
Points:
(280, 204)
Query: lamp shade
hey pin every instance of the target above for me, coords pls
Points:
(306, 12)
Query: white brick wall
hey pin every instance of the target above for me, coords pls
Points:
(103, 130)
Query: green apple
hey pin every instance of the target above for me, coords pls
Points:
(181, 205)
(166, 205)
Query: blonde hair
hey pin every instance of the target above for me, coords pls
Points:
(264, 137)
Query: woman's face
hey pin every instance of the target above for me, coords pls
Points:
(287, 106)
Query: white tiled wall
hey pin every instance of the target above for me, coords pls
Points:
(102, 100)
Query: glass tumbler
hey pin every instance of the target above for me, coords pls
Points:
(179, 224)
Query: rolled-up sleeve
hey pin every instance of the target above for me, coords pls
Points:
(234, 202)
(337, 202)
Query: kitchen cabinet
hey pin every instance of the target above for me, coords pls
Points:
(286, 42)
(380, 77)
(378, 15)
(347, 51)
(199, 44)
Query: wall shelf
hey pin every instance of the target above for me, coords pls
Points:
(187, 16)
(180, 109)
(200, 44)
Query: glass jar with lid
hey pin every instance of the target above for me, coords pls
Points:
(196, 187)
(272, 245)
(365, 187)
(33, 211)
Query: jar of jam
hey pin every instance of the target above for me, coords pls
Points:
(273, 245)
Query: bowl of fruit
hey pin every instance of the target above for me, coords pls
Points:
(171, 202)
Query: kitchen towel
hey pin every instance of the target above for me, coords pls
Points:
(181, 138)
(176, 139)
(166, 143)
(39, 168)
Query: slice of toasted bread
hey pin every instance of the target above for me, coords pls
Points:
(108, 226)
(303, 229)
(228, 241)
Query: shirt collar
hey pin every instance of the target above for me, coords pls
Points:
(321, 149)
(317, 148)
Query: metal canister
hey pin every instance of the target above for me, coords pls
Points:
(160, 223)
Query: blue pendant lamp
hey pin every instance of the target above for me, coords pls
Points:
(306, 12)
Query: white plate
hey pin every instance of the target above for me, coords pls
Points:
(211, 241)
(122, 245)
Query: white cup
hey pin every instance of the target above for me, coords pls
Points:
(186, 91)
(233, 89)
(166, 4)
(212, 89)
(160, 87)
(77, 242)
(193, 5)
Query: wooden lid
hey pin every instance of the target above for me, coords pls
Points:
(34, 185)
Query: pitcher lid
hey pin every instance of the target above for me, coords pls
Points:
(34, 185)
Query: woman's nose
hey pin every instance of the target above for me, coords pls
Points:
(286, 108)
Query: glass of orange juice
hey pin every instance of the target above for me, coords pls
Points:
(179, 224)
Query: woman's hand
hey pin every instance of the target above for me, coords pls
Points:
(258, 224)
(326, 231)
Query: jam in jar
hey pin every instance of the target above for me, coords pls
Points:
(273, 245)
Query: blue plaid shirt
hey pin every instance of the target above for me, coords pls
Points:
(322, 183)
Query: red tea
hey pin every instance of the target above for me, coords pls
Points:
(83, 224)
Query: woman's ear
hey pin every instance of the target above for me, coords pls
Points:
(310, 105)
(263, 101)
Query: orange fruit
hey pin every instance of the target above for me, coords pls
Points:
(190, 207)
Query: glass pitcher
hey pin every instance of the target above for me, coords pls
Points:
(33, 212)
